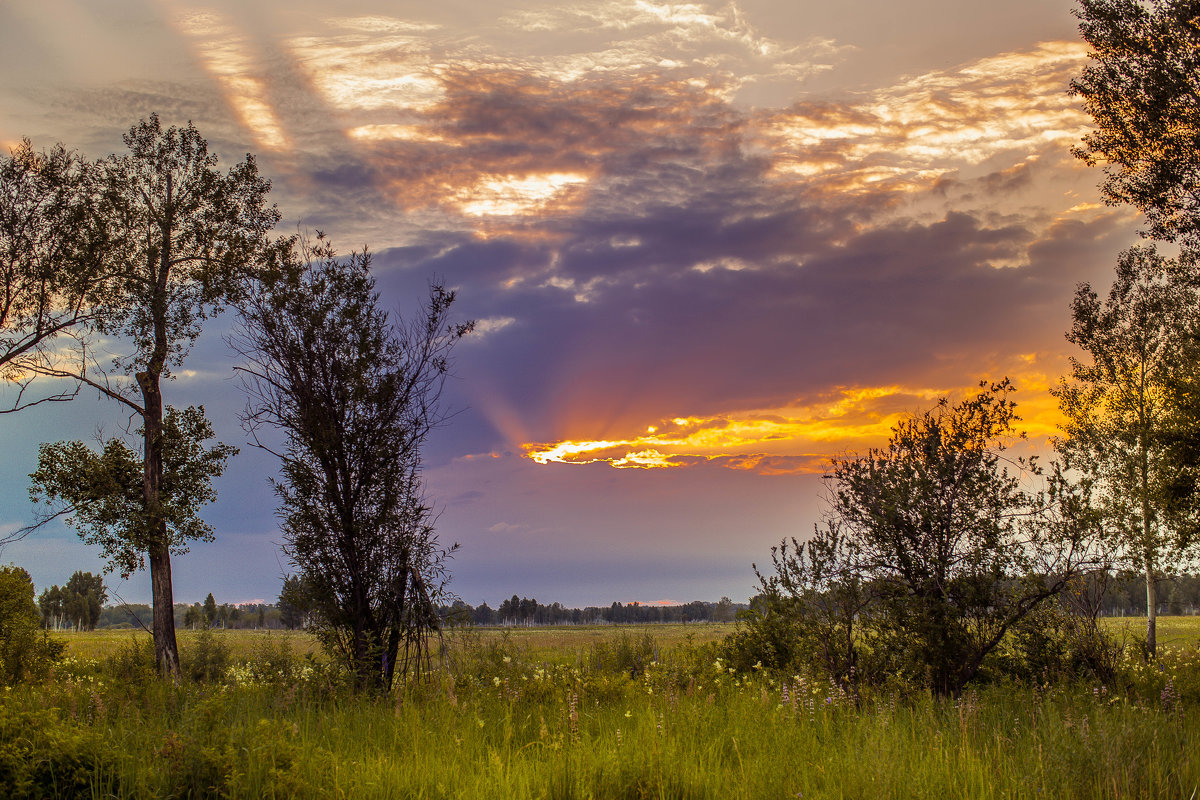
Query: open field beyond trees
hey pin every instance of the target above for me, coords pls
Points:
(603, 712)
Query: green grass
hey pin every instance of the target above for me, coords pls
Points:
(638, 712)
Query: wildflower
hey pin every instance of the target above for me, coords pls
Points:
(628, 714)
(508, 659)
(495, 681)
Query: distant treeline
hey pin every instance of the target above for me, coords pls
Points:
(515, 611)
(528, 611)
(1123, 596)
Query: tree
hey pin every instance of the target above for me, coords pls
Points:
(210, 610)
(50, 262)
(25, 650)
(83, 597)
(813, 605)
(1142, 88)
(1123, 422)
(954, 547)
(354, 396)
(77, 603)
(294, 602)
(184, 238)
(50, 603)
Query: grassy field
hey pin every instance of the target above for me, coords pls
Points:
(590, 712)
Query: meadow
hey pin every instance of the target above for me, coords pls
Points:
(589, 712)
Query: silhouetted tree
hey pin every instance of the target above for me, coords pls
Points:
(354, 396)
(955, 548)
(51, 248)
(210, 610)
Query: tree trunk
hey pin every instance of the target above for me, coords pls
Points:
(166, 649)
(1151, 609)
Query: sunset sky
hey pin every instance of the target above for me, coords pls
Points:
(708, 246)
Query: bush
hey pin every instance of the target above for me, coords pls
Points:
(207, 660)
(1052, 644)
(26, 651)
(43, 756)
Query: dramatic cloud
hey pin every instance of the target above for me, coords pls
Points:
(707, 246)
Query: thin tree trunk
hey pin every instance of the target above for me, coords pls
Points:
(1151, 608)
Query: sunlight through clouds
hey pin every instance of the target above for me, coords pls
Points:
(512, 195)
(796, 439)
(229, 57)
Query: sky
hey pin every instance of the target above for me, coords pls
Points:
(708, 246)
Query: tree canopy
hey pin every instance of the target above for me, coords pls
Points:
(1142, 88)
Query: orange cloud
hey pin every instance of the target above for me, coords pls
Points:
(796, 439)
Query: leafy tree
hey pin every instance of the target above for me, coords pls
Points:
(210, 610)
(953, 542)
(102, 494)
(50, 604)
(25, 650)
(1123, 422)
(354, 396)
(183, 240)
(50, 261)
(1142, 88)
(78, 603)
(294, 602)
(83, 597)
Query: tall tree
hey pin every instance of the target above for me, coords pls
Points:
(1142, 88)
(1124, 418)
(51, 248)
(184, 239)
(354, 395)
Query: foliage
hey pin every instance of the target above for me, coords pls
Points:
(1124, 422)
(43, 756)
(1142, 88)
(50, 270)
(210, 609)
(811, 608)
(77, 604)
(208, 659)
(101, 493)
(183, 240)
(935, 550)
(354, 396)
(294, 602)
(25, 650)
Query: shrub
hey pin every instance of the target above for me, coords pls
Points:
(44, 756)
(26, 651)
(207, 660)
